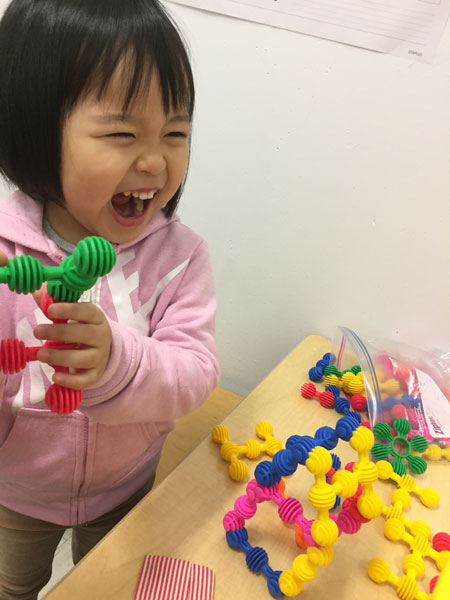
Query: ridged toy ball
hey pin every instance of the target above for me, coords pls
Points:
(441, 541)
(289, 584)
(358, 402)
(256, 559)
(378, 570)
(303, 569)
(238, 470)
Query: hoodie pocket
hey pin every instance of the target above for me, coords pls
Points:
(38, 457)
(120, 451)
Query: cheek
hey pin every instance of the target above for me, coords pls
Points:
(180, 168)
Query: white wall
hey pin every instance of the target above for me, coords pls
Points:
(320, 179)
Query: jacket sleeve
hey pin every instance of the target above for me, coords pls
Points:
(167, 375)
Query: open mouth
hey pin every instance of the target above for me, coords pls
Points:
(132, 205)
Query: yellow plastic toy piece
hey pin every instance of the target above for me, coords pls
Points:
(434, 452)
(230, 451)
(332, 380)
(416, 534)
(322, 496)
(407, 485)
(406, 586)
(388, 387)
(442, 589)
(353, 384)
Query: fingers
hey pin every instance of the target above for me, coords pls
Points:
(82, 364)
(3, 259)
(80, 380)
(76, 333)
(39, 294)
(82, 358)
(84, 312)
(87, 329)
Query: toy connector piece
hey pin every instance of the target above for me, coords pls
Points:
(93, 257)
(309, 390)
(230, 451)
(14, 355)
(381, 452)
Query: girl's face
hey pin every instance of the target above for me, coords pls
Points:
(119, 170)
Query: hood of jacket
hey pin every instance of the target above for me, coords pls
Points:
(21, 223)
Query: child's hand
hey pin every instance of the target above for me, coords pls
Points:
(87, 327)
(3, 259)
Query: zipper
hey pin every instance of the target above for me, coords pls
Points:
(83, 475)
(91, 295)
(360, 349)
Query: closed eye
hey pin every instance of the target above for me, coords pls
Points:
(181, 134)
(120, 135)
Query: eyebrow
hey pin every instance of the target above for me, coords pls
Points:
(119, 117)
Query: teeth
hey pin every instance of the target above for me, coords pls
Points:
(141, 195)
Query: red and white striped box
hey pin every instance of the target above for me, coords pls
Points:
(164, 578)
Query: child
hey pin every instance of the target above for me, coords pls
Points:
(96, 101)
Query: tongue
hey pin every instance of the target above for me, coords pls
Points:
(124, 205)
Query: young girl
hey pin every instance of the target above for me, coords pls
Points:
(96, 102)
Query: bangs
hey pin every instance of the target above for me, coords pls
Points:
(135, 46)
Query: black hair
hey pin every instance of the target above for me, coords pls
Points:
(53, 53)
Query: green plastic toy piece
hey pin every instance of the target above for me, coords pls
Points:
(381, 452)
(93, 257)
(332, 370)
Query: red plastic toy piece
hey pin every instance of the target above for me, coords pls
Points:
(441, 541)
(59, 399)
(14, 355)
(358, 402)
(309, 390)
(433, 583)
(398, 411)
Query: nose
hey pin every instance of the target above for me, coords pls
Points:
(152, 161)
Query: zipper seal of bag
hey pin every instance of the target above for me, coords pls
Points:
(355, 340)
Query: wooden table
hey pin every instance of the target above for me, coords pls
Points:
(182, 517)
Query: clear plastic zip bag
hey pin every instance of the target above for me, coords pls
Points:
(401, 382)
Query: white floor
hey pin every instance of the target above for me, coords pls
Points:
(62, 562)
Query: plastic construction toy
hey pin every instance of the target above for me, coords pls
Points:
(316, 373)
(361, 506)
(401, 408)
(326, 398)
(416, 534)
(230, 451)
(434, 452)
(322, 532)
(351, 381)
(401, 427)
(92, 258)
(331, 398)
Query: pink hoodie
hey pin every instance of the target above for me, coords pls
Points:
(159, 300)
